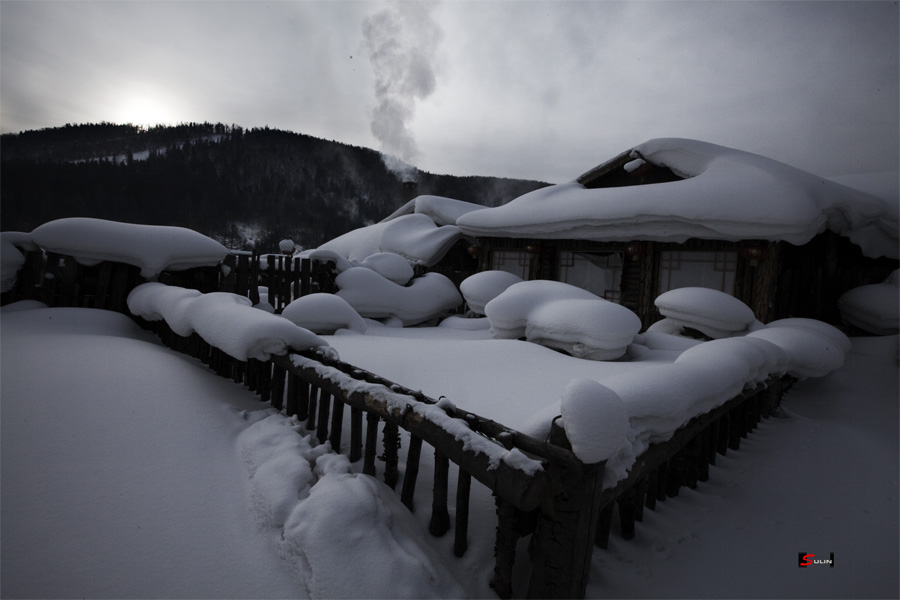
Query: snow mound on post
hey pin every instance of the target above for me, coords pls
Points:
(820, 327)
(481, 288)
(225, 321)
(323, 313)
(153, 248)
(709, 311)
(595, 420)
(564, 317)
(371, 295)
(873, 308)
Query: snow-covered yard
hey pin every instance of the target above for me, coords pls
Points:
(132, 471)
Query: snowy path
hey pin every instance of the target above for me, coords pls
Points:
(135, 487)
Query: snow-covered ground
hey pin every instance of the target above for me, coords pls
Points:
(132, 471)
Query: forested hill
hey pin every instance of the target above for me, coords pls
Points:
(244, 187)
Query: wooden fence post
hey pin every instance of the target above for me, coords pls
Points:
(563, 539)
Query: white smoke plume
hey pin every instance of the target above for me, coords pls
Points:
(401, 42)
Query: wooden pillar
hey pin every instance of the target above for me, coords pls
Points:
(371, 443)
(391, 442)
(408, 491)
(563, 539)
(440, 516)
(461, 533)
(504, 548)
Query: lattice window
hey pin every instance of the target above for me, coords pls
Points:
(714, 270)
(517, 262)
(597, 272)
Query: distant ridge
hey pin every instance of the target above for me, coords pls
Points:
(248, 188)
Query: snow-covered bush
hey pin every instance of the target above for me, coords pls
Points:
(564, 317)
(226, 321)
(481, 288)
(371, 295)
(873, 308)
(323, 313)
(711, 312)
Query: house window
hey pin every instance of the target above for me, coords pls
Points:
(517, 262)
(714, 270)
(597, 272)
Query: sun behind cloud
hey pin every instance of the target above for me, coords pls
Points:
(147, 106)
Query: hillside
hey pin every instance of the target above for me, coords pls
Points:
(248, 188)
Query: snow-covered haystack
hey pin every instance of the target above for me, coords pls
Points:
(323, 313)
(428, 297)
(153, 248)
(725, 194)
(225, 321)
(481, 288)
(390, 266)
(873, 308)
(711, 312)
(564, 317)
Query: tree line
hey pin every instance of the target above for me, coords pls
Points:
(214, 178)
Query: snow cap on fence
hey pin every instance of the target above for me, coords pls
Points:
(225, 321)
(153, 248)
(595, 420)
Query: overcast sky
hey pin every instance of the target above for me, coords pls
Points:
(538, 90)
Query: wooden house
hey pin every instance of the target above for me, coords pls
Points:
(676, 213)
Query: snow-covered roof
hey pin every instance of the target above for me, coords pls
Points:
(725, 194)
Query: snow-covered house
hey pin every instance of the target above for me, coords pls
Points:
(673, 213)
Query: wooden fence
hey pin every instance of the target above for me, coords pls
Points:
(563, 507)
(58, 280)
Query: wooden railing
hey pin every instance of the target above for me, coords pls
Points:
(561, 504)
(557, 500)
(542, 490)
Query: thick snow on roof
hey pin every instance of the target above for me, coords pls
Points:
(153, 248)
(726, 195)
(415, 237)
(441, 210)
